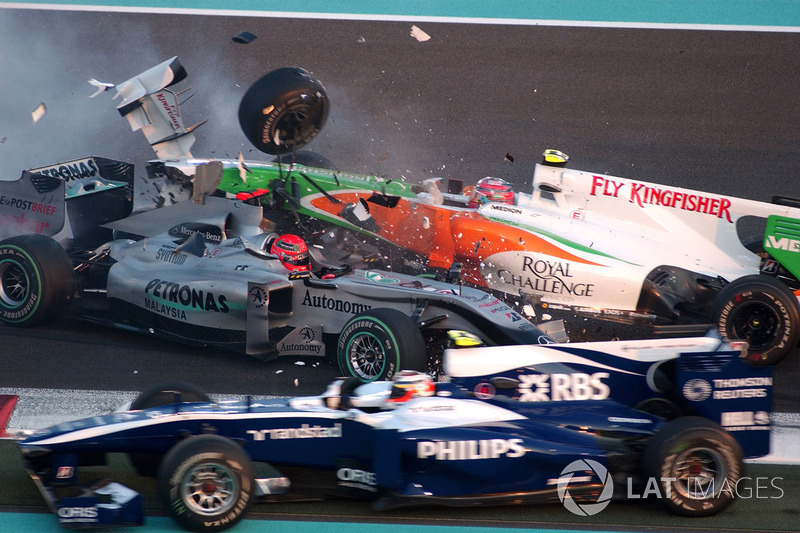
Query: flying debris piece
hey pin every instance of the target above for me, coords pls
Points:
(361, 40)
(244, 170)
(300, 363)
(244, 37)
(39, 112)
(419, 35)
(296, 382)
(101, 87)
(509, 158)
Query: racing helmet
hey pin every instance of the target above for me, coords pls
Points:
(292, 252)
(491, 189)
(408, 384)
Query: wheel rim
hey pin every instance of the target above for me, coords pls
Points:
(366, 356)
(14, 284)
(699, 473)
(209, 489)
(756, 323)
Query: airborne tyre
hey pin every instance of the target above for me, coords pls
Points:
(206, 483)
(696, 464)
(165, 393)
(306, 158)
(762, 311)
(147, 464)
(36, 279)
(376, 344)
(283, 110)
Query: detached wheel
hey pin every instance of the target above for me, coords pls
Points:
(762, 311)
(36, 279)
(375, 345)
(206, 483)
(283, 110)
(306, 158)
(164, 394)
(147, 464)
(696, 464)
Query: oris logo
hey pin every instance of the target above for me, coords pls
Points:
(77, 512)
(353, 475)
(563, 387)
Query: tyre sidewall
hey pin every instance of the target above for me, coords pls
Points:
(366, 325)
(164, 394)
(148, 464)
(266, 102)
(28, 310)
(757, 290)
(682, 435)
(199, 450)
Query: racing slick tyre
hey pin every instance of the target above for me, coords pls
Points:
(165, 394)
(36, 279)
(696, 465)
(283, 110)
(762, 311)
(206, 483)
(306, 158)
(376, 344)
(147, 464)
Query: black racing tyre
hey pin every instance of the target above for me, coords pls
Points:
(662, 407)
(696, 465)
(147, 464)
(165, 393)
(36, 279)
(762, 311)
(206, 483)
(283, 111)
(306, 158)
(376, 344)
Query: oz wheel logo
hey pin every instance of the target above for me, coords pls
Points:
(581, 472)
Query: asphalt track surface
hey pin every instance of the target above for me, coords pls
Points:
(714, 111)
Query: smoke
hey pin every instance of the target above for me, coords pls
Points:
(48, 57)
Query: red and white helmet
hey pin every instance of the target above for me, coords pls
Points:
(292, 252)
(491, 189)
(410, 384)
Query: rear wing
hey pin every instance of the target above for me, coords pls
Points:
(32, 204)
(150, 107)
(67, 201)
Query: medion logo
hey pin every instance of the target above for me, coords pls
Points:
(790, 245)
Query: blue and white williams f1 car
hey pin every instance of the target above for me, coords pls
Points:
(413, 441)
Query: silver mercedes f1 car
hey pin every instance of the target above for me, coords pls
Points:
(202, 273)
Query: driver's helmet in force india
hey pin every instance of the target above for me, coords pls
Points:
(292, 252)
(491, 189)
(408, 384)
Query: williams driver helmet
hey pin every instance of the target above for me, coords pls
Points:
(491, 189)
(408, 384)
(292, 252)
